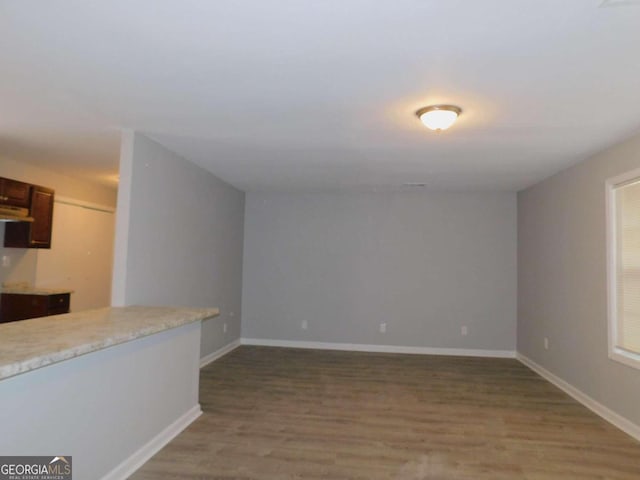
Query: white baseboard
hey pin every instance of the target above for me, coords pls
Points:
(609, 415)
(153, 446)
(360, 347)
(221, 352)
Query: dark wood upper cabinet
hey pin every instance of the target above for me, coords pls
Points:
(36, 234)
(14, 193)
(42, 213)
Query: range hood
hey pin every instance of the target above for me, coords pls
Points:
(9, 213)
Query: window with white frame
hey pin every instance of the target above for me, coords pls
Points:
(623, 208)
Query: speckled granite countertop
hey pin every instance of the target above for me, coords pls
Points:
(25, 288)
(30, 344)
(35, 290)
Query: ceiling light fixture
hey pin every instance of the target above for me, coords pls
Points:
(439, 117)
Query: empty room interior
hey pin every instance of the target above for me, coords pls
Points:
(320, 239)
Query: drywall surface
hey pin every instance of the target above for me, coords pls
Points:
(562, 275)
(179, 240)
(82, 238)
(424, 264)
(81, 257)
(64, 185)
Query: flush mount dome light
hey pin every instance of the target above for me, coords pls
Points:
(439, 117)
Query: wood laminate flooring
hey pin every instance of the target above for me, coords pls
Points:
(273, 413)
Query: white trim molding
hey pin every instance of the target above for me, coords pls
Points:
(221, 352)
(596, 407)
(83, 204)
(360, 347)
(153, 446)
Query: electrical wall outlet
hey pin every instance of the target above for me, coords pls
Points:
(383, 328)
(464, 330)
(546, 343)
(6, 261)
(304, 325)
(224, 328)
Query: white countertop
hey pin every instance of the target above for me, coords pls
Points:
(25, 288)
(35, 290)
(29, 344)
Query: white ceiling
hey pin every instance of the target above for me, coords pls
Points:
(321, 94)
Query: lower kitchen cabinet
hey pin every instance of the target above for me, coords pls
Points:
(18, 306)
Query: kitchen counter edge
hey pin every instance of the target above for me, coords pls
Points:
(27, 345)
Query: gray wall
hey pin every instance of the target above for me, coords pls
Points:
(179, 237)
(423, 263)
(562, 291)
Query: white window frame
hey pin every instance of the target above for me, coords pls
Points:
(616, 352)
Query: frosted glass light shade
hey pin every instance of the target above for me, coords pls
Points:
(438, 117)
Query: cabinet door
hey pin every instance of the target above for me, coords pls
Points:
(19, 307)
(42, 213)
(38, 233)
(59, 303)
(14, 193)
